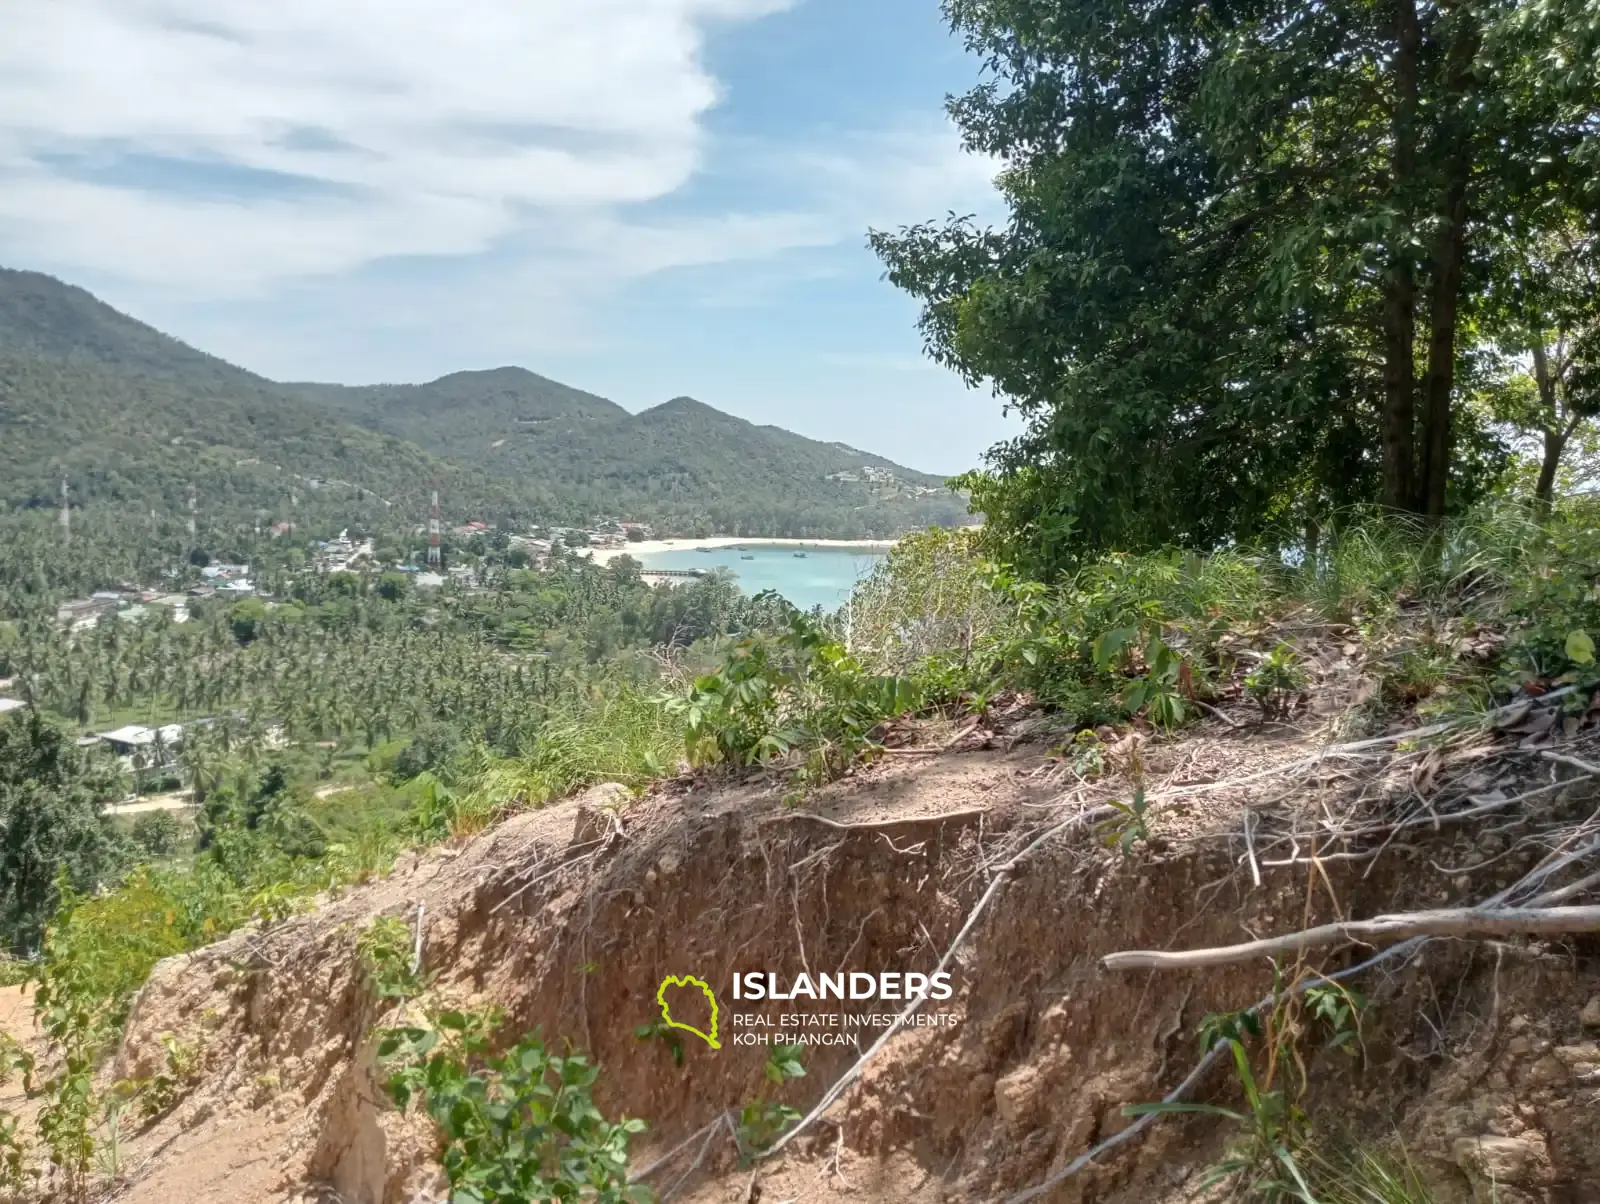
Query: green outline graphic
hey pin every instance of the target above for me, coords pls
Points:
(688, 980)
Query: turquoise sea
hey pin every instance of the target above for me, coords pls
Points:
(823, 577)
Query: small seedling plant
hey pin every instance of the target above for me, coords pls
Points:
(518, 1127)
(1128, 827)
(763, 1120)
(1276, 681)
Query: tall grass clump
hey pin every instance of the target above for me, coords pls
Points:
(618, 733)
(1373, 559)
(1364, 1174)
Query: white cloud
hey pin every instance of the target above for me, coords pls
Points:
(393, 189)
(201, 142)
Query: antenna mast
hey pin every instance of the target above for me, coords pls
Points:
(66, 514)
(434, 560)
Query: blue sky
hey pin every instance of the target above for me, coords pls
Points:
(643, 198)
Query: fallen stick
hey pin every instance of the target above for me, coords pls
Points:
(1337, 750)
(1455, 921)
(1193, 1078)
(1574, 762)
(1222, 715)
(707, 1130)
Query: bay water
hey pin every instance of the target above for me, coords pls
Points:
(822, 577)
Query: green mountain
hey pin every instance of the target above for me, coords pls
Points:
(131, 416)
(681, 464)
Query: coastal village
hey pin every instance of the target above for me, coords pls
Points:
(149, 751)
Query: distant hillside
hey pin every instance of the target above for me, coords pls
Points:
(131, 415)
(681, 463)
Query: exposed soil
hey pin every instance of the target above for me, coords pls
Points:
(1481, 1056)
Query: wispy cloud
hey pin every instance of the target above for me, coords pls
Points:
(354, 189)
(210, 141)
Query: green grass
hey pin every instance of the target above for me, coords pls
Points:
(1364, 1174)
(625, 736)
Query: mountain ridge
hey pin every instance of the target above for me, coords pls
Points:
(128, 410)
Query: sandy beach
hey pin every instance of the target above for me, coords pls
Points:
(647, 547)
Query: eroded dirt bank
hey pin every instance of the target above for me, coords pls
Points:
(1476, 1053)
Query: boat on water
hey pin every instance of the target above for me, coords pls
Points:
(747, 558)
(800, 555)
(707, 551)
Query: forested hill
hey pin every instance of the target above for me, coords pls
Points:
(131, 415)
(683, 462)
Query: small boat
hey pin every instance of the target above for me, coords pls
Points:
(747, 558)
(800, 555)
(707, 551)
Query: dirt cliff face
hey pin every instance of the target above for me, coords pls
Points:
(1481, 1056)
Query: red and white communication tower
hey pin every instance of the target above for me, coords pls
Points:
(433, 533)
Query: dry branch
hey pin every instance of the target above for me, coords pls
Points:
(1454, 921)
(1194, 1077)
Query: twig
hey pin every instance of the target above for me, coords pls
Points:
(1339, 750)
(937, 748)
(1455, 921)
(416, 947)
(1002, 874)
(1193, 1078)
(1250, 846)
(710, 1127)
(1574, 762)
(1572, 888)
(710, 1132)
(1211, 710)
(532, 882)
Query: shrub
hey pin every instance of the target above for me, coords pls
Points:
(158, 834)
(517, 1127)
(797, 693)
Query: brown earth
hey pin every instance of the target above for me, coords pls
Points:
(1481, 1056)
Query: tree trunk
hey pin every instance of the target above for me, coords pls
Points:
(1399, 388)
(1399, 284)
(1448, 259)
(1544, 492)
(1449, 255)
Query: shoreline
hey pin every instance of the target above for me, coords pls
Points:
(651, 547)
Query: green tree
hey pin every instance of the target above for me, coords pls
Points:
(393, 586)
(50, 826)
(246, 618)
(1243, 252)
(1547, 321)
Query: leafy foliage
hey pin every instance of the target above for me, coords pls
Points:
(1243, 256)
(798, 693)
(1275, 680)
(50, 794)
(517, 1127)
(384, 953)
(763, 1120)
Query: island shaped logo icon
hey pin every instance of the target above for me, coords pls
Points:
(688, 980)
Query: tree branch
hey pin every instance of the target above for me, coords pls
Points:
(1456, 921)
